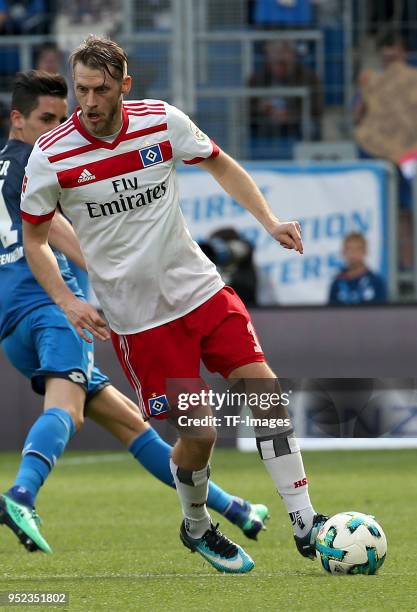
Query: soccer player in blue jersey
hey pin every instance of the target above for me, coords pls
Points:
(40, 342)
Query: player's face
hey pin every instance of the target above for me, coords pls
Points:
(100, 98)
(354, 253)
(50, 112)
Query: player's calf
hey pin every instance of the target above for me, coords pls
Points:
(282, 458)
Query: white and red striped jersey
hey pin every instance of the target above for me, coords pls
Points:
(122, 199)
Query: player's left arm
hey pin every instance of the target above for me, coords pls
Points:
(62, 237)
(240, 185)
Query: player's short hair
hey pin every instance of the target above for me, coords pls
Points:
(102, 54)
(29, 86)
(355, 237)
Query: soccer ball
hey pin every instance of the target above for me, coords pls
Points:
(351, 543)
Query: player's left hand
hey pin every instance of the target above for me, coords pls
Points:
(288, 234)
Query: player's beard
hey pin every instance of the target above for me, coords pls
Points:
(111, 124)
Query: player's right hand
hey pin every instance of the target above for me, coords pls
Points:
(288, 234)
(85, 317)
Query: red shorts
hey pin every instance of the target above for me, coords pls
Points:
(219, 332)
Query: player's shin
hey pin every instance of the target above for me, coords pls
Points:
(44, 444)
(192, 489)
(282, 458)
(154, 454)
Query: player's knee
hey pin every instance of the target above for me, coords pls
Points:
(77, 418)
(208, 437)
(201, 444)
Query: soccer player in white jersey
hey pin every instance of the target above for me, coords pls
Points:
(112, 168)
(39, 341)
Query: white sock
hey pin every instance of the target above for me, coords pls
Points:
(192, 489)
(287, 472)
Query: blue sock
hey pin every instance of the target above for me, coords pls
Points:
(154, 454)
(217, 498)
(44, 444)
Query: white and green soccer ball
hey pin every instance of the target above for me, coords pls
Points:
(351, 543)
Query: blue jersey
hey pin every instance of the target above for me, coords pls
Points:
(20, 293)
(367, 288)
(291, 12)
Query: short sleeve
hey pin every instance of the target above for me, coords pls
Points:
(188, 142)
(40, 189)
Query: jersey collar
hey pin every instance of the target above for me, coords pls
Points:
(97, 141)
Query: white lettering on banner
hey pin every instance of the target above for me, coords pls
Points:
(328, 205)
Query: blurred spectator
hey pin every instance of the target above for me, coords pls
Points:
(392, 49)
(48, 58)
(90, 11)
(24, 17)
(403, 14)
(356, 284)
(155, 14)
(373, 86)
(74, 21)
(233, 256)
(80, 16)
(279, 117)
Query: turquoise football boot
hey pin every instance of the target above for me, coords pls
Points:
(24, 522)
(223, 554)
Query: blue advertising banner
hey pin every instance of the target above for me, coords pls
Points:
(329, 200)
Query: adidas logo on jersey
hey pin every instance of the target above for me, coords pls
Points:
(86, 176)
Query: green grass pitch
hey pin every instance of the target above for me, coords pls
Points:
(114, 531)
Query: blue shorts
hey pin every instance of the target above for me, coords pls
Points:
(45, 344)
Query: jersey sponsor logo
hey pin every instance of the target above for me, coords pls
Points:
(86, 176)
(128, 183)
(126, 203)
(24, 183)
(158, 405)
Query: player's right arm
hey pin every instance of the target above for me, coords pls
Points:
(192, 146)
(63, 238)
(44, 266)
(40, 194)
